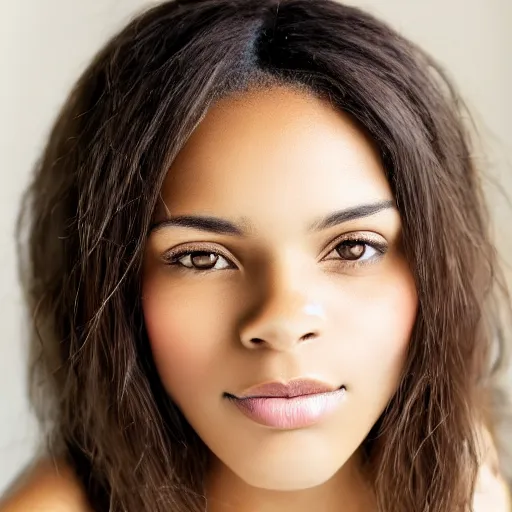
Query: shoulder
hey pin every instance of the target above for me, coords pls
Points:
(47, 486)
(491, 491)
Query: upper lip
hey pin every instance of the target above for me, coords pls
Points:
(297, 387)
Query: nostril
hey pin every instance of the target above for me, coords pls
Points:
(308, 336)
(256, 341)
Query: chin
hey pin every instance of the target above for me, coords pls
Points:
(297, 470)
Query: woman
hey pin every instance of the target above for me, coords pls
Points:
(260, 269)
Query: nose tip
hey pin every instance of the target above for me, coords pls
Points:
(278, 330)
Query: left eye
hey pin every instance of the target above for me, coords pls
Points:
(356, 250)
(201, 260)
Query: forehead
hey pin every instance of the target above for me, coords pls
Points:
(274, 155)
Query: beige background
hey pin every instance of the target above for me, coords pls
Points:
(45, 44)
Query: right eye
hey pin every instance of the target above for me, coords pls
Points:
(199, 261)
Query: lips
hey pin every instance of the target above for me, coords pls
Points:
(294, 388)
(297, 404)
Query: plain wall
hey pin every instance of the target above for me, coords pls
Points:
(44, 46)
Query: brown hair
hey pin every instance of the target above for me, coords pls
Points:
(95, 189)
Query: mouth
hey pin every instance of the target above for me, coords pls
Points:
(292, 389)
(296, 404)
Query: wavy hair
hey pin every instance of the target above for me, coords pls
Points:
(86, 215)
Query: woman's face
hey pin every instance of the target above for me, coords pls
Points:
(276, 256)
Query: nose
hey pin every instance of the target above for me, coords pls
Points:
(288, 316)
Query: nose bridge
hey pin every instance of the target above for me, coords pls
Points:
(286, 313)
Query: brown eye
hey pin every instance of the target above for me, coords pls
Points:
(352, 250)
(204, 260)
(200, 260)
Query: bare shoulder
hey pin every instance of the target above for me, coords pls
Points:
(47, 486)
(491, 491)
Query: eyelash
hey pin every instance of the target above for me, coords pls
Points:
(172, 258)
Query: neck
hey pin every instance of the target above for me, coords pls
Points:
(348, 491)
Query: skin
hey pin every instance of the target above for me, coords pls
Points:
(51, 486)
(46, 486)
(275, 161)
(287, 158)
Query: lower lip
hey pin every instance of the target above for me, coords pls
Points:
(290, 413)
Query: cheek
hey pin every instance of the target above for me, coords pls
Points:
(185, 330)
(379, 322)
(386, 331)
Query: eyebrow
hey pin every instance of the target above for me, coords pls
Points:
(225, 227)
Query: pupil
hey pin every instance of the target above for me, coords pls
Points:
(351, 250)
(203, 259)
